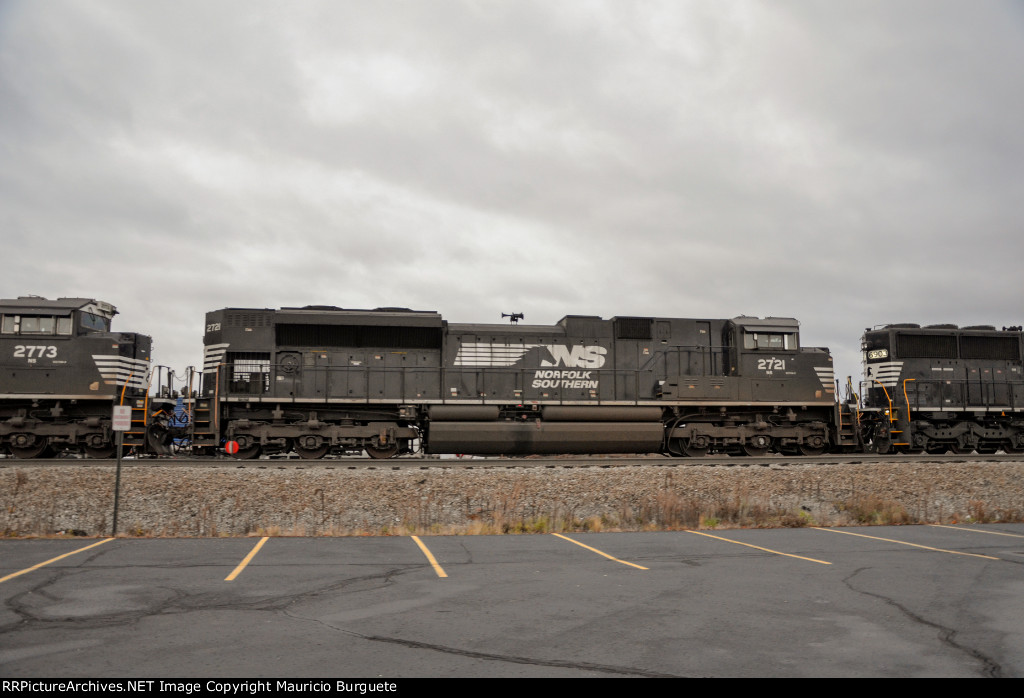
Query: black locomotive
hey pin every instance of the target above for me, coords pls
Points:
(62, 370)
(942, 388)
(322, 379)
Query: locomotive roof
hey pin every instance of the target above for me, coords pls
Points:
(61, 306)
(332, 315)
(768, 324)
(939, 328)
(483, 328)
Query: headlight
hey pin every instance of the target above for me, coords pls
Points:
(878, 354)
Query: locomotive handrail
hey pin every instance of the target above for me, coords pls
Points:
(188, 406)
(400, 383)
(125, 386)
(363, 375)
(905, 398)
(191, 413)
(889, 399)
(145, 401)
(961, 394)
(215, 416)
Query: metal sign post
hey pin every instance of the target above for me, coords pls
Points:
(122, 422)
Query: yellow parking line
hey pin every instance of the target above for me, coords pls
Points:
(59, 557)
(598, 551)
(248, 558)
(767, 550)
(979, 530)
(433, 561)
(914, 545)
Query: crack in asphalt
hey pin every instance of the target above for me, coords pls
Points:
(490, 656)
(180, 601)
(514, 659)
(55, 574)
(946, 635)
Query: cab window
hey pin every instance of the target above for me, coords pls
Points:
(37, 324)
(769, 340)
(94, 323)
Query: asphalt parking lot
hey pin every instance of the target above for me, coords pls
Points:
(866, 601)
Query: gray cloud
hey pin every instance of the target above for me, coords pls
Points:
(848, 165)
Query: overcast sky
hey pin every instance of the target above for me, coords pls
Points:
(845, 163)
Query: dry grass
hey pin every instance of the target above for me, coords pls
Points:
(666, 511)
(43, 503)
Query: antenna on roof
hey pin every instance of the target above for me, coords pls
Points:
(513, 317)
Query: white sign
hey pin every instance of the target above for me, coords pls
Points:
(122, 417)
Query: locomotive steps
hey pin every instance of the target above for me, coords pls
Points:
(222, 499)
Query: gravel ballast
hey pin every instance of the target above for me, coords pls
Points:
(171, 500)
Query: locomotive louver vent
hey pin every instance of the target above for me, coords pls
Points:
(997, 348)
(633, 328)
(246, 319)
(924, 346)
(237, 358)
(294, 335)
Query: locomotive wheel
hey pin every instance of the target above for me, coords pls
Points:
(986, 450)
(755, 450)
(817, 450)
(936, 450)
(960, 449)
(248, 447)
(104, 451)
(247, 453)
(380, 453)
(312, 453)
(36, 450)
(693, 451)
(758, 445)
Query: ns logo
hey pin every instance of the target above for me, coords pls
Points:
(575, 357)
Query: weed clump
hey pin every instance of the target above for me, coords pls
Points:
(872, 510)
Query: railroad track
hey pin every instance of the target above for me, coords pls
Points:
(569, 462)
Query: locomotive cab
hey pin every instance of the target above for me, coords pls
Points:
(45, 319)
(62, 372)
(762, 347)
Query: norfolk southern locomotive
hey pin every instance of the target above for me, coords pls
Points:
(321, 379)
(942, 388)
(63, 370)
